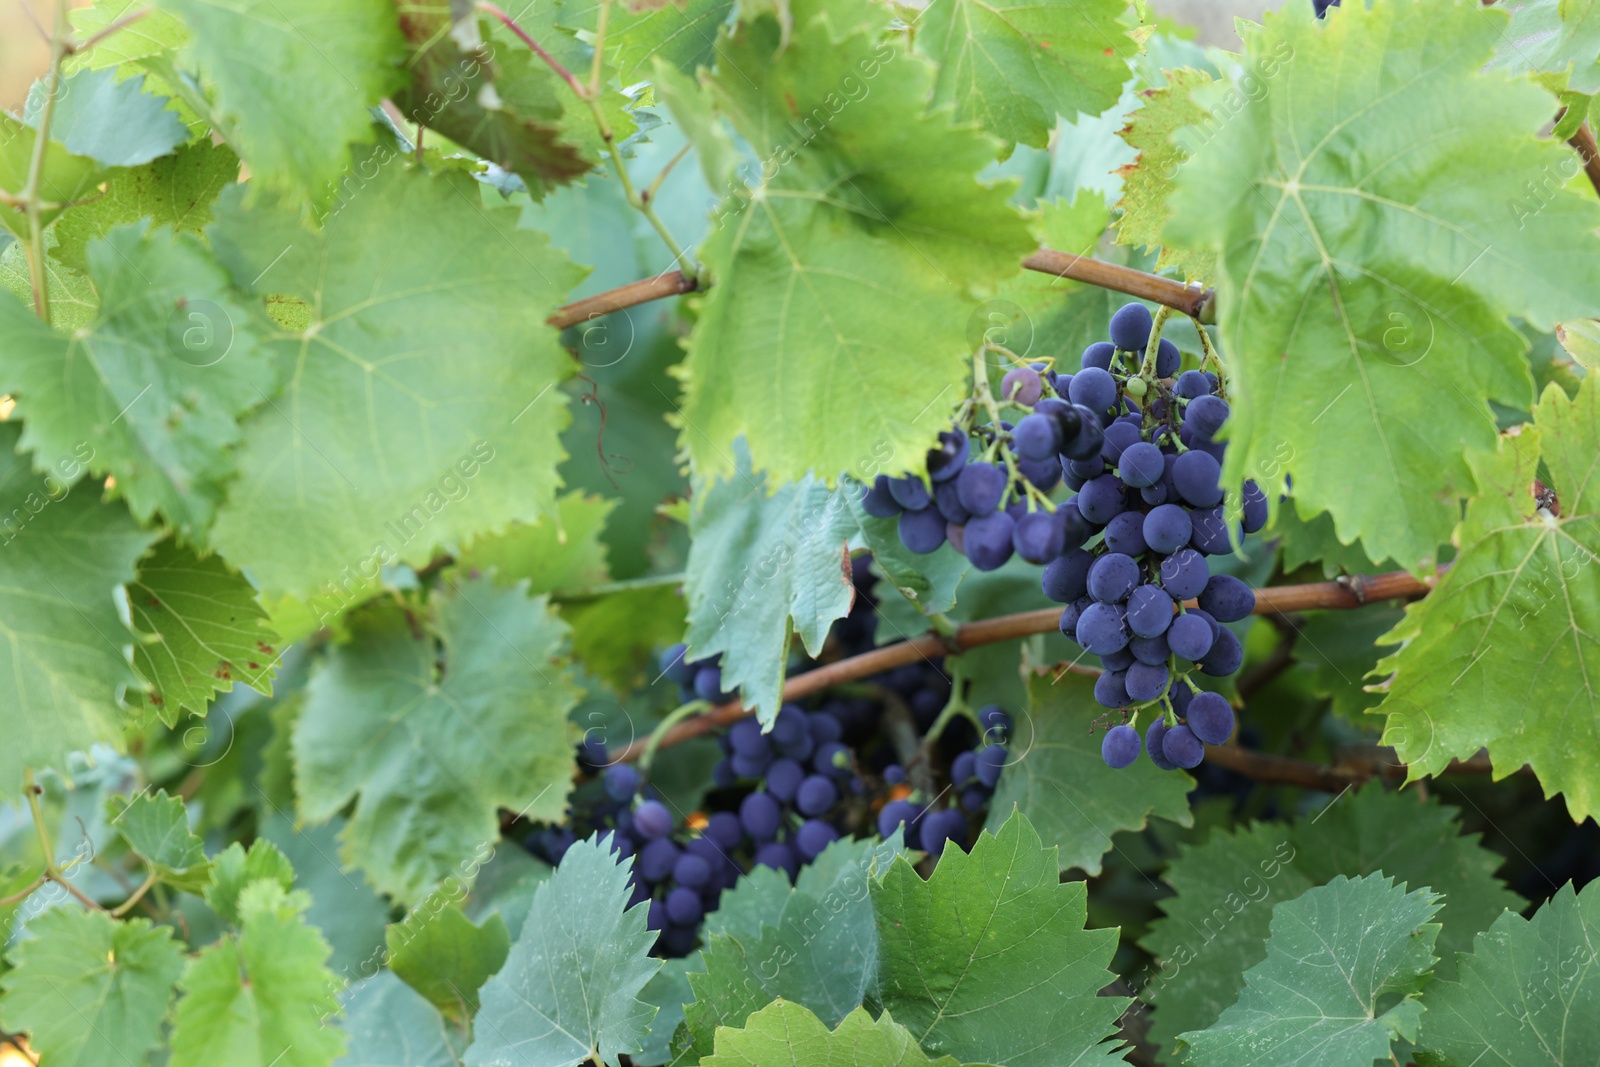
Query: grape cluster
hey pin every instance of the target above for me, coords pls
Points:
(779, 798)
(1141, 453)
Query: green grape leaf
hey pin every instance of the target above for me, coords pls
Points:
(761, 567)
(1528, 994)
(682, 37)
(500, 101)
(1363, 288)
(864, 209)
(1580, 338)
(1556, 38)
(1016, 987)
(345, 55)
(1216, 927)
(815, 945)
(259, 998)
(388, 1024)
(90, 990)
(153, 33)
(203, 630)
(1339, 650)
(65, 555)
(443, 955)
(668, 991)
(784, 1034)
(692, 111)
(343, 906)
(156, 827)
(64, 179)
(1147, 183)
(155, 385)
(1505, 652)
(430, 745)
(234, 870)
(1056, 777)
(1045, 316)
(1012, 66)
(1333, 954)
(416, 415)
(1313, 540)
(176, 190)
(112, 121)
(569, 991)
(73, 301)
(557, 554)
(616, 636)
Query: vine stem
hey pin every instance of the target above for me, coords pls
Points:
(52, 871)
(1147, 369)
(510, 23)
(32, 204)
(1352, 592)
(1192, 300)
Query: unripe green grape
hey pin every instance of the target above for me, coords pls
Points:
(1135, 387)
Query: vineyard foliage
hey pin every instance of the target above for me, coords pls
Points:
(392, 389)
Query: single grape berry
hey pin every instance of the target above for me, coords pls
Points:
(980, 487)
(877, 501)
(1098, 355)
(1112, 577)
(1095, 389)
(652, 819)
(817, 794)
(760, 815)
(990, 760)
(1120, 746)
(988, 540)
(1149, 611)
(1227, 599)
(1184, 574)
(1190, 637)
(1102, 628)
(1167, 528)
(1146, 681)
(621, 781)
(814, 836)
(1022, 385)
(1168, 359)
(1111, 689)
(1142, 465)
(922, 531)
(1182, 747)
(1130, 327)
(1136, 386)
(1210, 718)
(1154, 737)
(946, 461)
(1038, 537)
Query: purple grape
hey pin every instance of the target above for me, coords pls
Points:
(956, 534)
(1167, 528)
(910, 493)
(1210, 531)
(621, 781)
(1130, 327)
(1151, 650)
(746, 739)
(988, 540)
(1196, 477)
(1154, 494)
(656, 859)
(1182, 747)
(948, 501)
(1255, 507)
(1184, 574)
(779, 857)
(1149, 611)
(1119, 437)
(655, 916)
(692, 871)
(834, 760)
(1125, 534)
(723, 775)
(1205, 416)
(877, 501)
(1225, 656)
(723, 829)
(817, 794)
(939, 827)
(1146, 681)
(1192, 384)
(990, 761)
(1119, 660)
(1120, 746)
(1082, 433)
(1168, 359)
(1180, 693)
(1068, 624)
(922, 531)
(678, 940)
(1111, 689)
(1042, 474)
(1022, 385)
(1142, 465)
(1153, 745)
(996, 722)
(894, 774)
(1098, 355)
(1036, 437)
(1101, 629)
(1102, 499)
(980, 487)
(1210, 718)
(675, 665)
(897, 813)
(760, 815)
(652, 819)
(1093, 388)
(708, 685)
(783, 780)
(1037, 537)
(751, 766)
(814, 836)
(946, 461)
(823, 727)
(1190, 637)
(1087, 468)
(1112, 577)
(1227, 599)
(963, 768)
